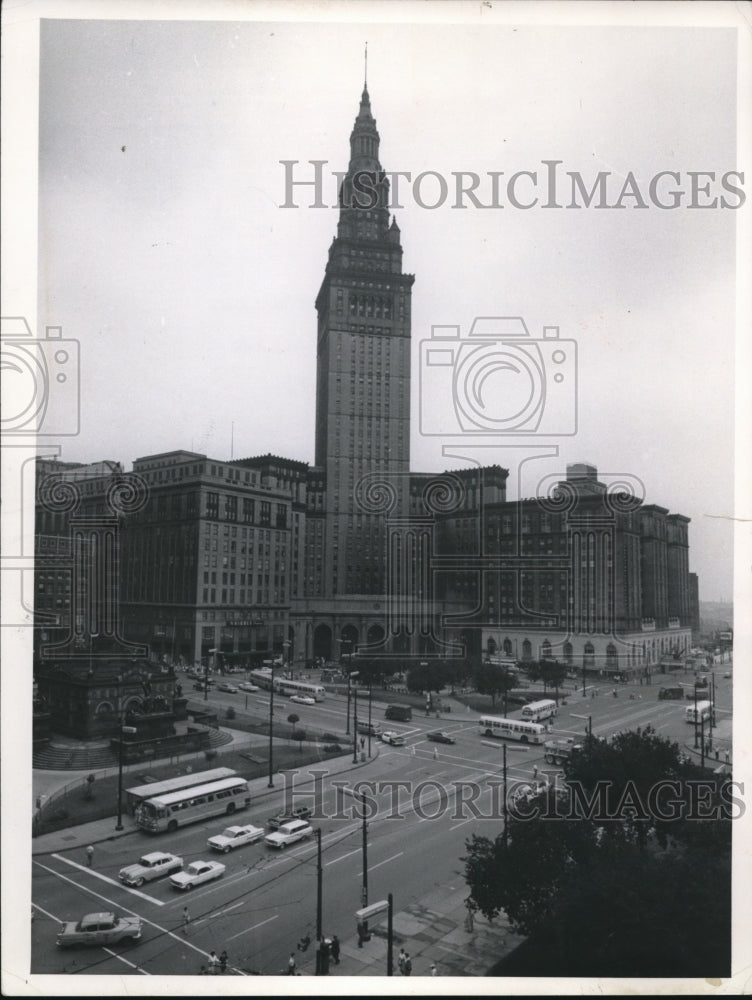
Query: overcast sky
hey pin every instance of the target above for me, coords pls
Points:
(164, 249)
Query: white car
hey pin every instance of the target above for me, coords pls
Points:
(149, 867)
(98, 929)
(235, 836)
(303, 699)
(247, 686)
(289, 833)
(393, 739)
(196, 873)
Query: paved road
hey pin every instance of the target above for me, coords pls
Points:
(425, 799)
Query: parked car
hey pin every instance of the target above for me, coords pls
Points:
(235, 836)
(98, 929)
(227, 687)
(439, 736)
(393, 739)
(298, 812)
(247, 686)
(303, 699)
(149, 867)
(289, 833)
(200, 686)
(196, 873)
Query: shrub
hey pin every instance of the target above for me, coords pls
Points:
(230, 712)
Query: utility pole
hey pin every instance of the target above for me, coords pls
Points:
(695, 690)
(271, 727)
(364, 890)
(355, 722)
(505, 809)
(369, 717)
(389, 939)
(349, 665)
(319, 905)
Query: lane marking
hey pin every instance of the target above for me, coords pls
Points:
(342, 857)
(386, 861)
(123, 959)
(255, 926)
(105, 878)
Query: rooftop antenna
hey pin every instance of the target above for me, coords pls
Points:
(365, 83)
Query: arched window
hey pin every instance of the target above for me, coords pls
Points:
(588, 655)
(612, 657)
(546, 650)
(568, 652)
(104, 708)
(491, 645)
(527, 650)
(507, 647)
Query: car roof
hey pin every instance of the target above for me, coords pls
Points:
(293, 824)
(97, 918)
(154, 856)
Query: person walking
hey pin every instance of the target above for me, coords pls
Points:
(213, 963)
(435, 753)
(89, 856)
(223, 962)
(186, 919)
(335, 949)
(291, 965)
(408, 965)
(401, 961)
(434, 970)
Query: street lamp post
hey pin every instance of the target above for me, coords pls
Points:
(355, 721)
(121, 729)
(271, 727)
(589, 722)
(370, 691)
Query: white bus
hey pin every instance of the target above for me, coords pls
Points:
(702, 712)
(537, 710)
(168, 812)
(141, 793)
(512, 729)
(317, 691)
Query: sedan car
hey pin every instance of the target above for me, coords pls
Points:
(149, 867)
(298, 812)
(303, 699)
(196, 873)
(247, 686)
(392, 738)
(439, 736)
(98, 929)
(227, 687)
(289, 833)
(235, 836)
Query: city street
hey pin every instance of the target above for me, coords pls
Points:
(266, 900)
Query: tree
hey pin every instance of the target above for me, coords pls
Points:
(597, 893)
(292, 718)
(494, 679)
(427, 677)
(299, 735)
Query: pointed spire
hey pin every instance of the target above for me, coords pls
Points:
(365, 75)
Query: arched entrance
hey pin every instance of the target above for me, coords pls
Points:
(322, 641)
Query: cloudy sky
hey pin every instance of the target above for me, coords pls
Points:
(163, 246)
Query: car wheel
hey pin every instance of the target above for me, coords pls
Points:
(226, 850)
(172, 826)
(138, 883)
(231, 809)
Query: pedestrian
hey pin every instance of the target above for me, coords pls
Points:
(291, 965)
(717, 753)
(535, 771)
(408, 965)
(223, 962)
(213, 963)
(202, 971)
(186, 919)
(335, 949)
(434, 970)
(89, 856)
(412, 749)
(401, 961)
(435, 753)
(361, 933)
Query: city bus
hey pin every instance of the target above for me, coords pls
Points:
(698, 713)
(537, 710)
(317, 691)
(512, 729)
(265, 679)
(168, 812)
(140, 793)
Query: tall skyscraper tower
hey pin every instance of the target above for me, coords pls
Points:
(363, 370)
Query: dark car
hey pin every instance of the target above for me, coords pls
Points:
(299, 812)
(439, 736)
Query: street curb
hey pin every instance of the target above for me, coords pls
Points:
(70, 831)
